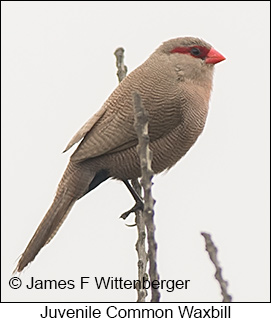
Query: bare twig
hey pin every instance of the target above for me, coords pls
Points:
(140, 244)
(141, 249)
(145, 155)
(212, 251)
(122, 69)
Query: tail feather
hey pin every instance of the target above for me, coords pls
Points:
(59, 221)
(47, 228)
(73, 185)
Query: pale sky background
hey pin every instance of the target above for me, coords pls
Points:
(58, 68)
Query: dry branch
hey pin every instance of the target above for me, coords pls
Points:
(121, 68)
(212, 251)
(141, 249)
(145, 155)
(140, 244)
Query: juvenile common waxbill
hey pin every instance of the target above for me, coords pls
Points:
(175, 84)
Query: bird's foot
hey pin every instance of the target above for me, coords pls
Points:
(139, 205)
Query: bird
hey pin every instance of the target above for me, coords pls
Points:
(175, 85)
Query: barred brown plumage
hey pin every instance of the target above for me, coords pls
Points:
(175, 84)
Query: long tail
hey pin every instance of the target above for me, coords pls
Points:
(73, 185)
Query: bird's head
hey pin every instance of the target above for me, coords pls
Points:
(191, 57)
(193, 48)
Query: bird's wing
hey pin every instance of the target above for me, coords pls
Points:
(112, 132)
(85, 129)
(109, 130)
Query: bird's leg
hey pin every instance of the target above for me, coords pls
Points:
(139, 205)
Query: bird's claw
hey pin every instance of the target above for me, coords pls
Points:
(139, 205)
(130, 225)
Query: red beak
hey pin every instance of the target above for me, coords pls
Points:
(214, 57)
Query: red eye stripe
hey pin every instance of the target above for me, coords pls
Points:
(187, 50)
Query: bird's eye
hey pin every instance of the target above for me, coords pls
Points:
(195, 51)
